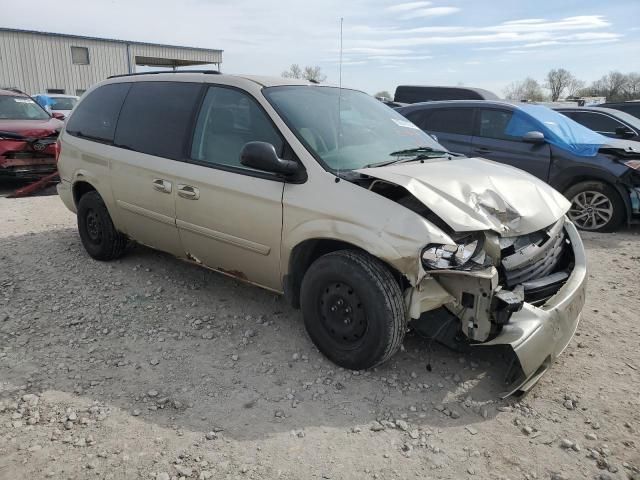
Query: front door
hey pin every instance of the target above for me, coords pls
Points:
(496, 139)
(230, 216)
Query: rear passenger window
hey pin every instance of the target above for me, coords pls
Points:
(228, 119)
(156, 118)
(450, 120)
(96, 116)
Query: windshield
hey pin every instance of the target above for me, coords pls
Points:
(558, 130)
(367, 132)
(20, 108)
(63, 103)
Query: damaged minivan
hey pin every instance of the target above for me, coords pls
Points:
(329, 197)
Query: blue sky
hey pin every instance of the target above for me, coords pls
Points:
(476, 43)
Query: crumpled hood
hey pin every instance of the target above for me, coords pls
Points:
(31, 128)
(471, 194)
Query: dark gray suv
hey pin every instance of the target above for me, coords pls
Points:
(600, 175)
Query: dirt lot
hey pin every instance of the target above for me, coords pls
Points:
(152, 368)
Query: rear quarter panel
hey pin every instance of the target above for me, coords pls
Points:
(87, 161)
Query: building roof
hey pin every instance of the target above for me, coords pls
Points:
(130, 42)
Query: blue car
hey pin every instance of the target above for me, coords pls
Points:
(599, 175)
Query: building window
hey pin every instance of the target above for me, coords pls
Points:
(80, 92)
(55, 90)
(80, 55)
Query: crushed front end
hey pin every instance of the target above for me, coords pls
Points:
(525, 292)
(27, 157)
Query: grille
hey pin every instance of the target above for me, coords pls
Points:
(534, 260)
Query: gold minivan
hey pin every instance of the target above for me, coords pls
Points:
(333, 199)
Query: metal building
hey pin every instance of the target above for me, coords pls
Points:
(41, 62)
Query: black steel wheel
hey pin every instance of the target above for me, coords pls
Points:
(99, 237)
(342, 313)
(353, 309)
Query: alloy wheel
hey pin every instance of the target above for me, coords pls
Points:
(591, 210)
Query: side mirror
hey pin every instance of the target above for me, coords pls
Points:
(533, 137)
(263, 156)
(57, 115)
(624, 132)
(434, 137)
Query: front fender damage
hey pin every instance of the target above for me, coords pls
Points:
(529, 304)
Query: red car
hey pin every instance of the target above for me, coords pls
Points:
(28, 137)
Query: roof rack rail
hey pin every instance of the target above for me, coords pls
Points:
(155, 72)
(15, 90)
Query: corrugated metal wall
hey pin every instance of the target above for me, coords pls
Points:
(35, 62)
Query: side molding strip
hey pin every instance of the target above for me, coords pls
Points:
(224, 237)
(158, 217)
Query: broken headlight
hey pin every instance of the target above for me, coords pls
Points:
(465, 254)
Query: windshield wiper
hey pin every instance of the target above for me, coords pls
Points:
(417, 151)
(412, 154)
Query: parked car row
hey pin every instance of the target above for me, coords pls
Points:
(599, 175)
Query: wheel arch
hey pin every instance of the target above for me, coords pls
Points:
(309, 250)
(569, 179)
(80, 188)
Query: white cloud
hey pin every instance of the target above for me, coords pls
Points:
(529, 33)
(429, 12)
(390, 58)
(403, 7)
(377, 51)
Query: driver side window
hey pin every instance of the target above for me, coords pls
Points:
(503, 125)
(228, 119)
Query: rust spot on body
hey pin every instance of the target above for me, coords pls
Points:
(234, 273)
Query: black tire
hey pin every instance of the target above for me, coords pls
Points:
(368, 327)
(595, 206)
(98, 235)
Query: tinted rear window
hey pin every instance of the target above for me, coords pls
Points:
(449, 120)
(97, 115)
(157, 117)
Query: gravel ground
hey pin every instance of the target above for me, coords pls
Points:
(152, 368)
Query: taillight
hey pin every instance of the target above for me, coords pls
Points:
(58, 146)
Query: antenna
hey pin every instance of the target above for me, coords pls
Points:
(339, 101)
(340, 73)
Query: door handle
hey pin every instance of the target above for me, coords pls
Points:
(161, 185)
(482, 150)
(189, 192)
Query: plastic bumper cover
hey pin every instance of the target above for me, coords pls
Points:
(538, 335)
(66, 195)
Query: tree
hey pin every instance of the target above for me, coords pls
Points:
(559, 80)
(574, 87)
(632, 87)
(384, 94)
(611, 86)
(527, 89)
(294, 71)
(313, 74)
